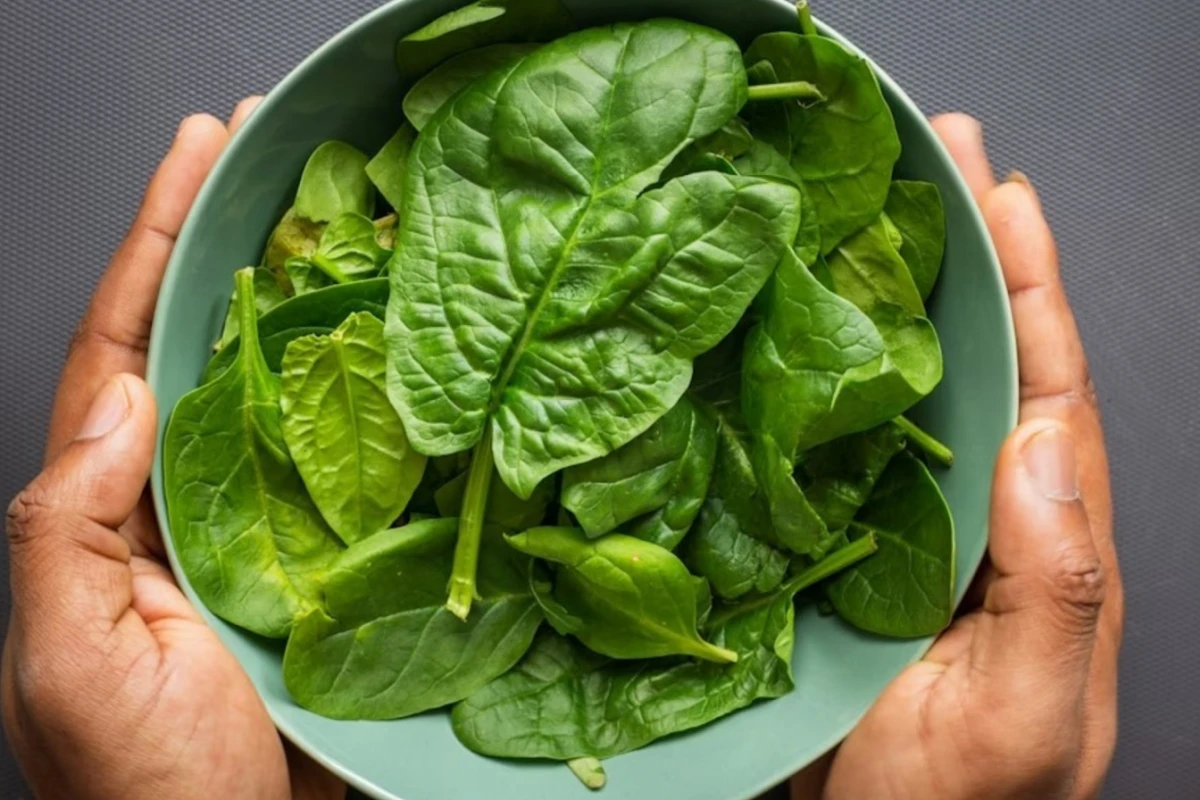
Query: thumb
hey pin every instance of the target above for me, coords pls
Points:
(1040, 614)
(68, 562)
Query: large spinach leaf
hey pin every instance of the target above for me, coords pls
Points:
(842, 146)
(907, 588)
(346, 439)
(246, 533)
(384, 646)
(632, 599)
(481, 23)
(433, 91)
(761, 160)
(915, 207)
(546, 313)
(316, 313)
(652, 487)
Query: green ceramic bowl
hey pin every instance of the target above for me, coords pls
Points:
(349, 89)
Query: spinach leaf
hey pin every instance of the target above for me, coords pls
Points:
(334, 182)
(293, 237)
(504, 508)
(915, 208)
(246, 533)
(267, 294)
(633, 599)
(346, 439)
(348, 250)
(428, 95)
(574, 330)
(907, 588)
(562, 701)
(479, 24)
(389, 166)
(715, 151)
(663, 473)
(794, 523)
(306, 276)
(838, 476)
(318, 313)
(384, 646)
(844, 146)
(761, 160)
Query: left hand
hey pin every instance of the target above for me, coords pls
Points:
(113, 686)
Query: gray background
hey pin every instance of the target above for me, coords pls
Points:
(1095, 100)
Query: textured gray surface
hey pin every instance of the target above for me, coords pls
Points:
(1096, 105)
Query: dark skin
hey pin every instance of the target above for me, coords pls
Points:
(114, 687)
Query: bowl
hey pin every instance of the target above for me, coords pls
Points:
(349, 89)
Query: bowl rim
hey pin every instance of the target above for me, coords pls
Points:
(158, 338)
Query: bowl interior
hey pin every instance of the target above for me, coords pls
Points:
(349, 90)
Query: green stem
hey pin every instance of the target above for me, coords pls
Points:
(589, 771)
(329, 268)
(470, 528)
(931, 446)
(792, 90)
(806, 21)
(832, 564)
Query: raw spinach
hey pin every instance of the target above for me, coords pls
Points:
(504, 508)
(438, 87)
(245, 531)
(844, 145)
(915, 207)
(479, 24)
(389, 166)
(334, 182)
(586, 310)
(384, 646)
(651, 488)
(267, 294)
(907, 588)
(316, 313)
(346, 439)
(838, 476)
(631, 599)
(347, 251)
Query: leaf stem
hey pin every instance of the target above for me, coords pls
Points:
(806, 21)
(470, 528)
(589, 771)
(832, 564)
(792, 90)
(931, 446)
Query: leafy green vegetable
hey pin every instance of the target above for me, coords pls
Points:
(334, 182)
(389, 166)
(479, 24)
(346, 439)
(907, 588)
(504, 508)
(428, 95)
(794, 523)
(589, 771)
(661, 476)
(915, 208)
(585, 314)
(267, 294)
(316, 313)
(632, 599)
(293, 237)
(382, 648)
(762, 160)
(844, 146)
(245, 531)
(348, 250)
(838, 476)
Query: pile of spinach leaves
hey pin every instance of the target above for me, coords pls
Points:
(551, 408)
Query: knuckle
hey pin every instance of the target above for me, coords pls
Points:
(1079, 586)
(29, 514)
(89, 335)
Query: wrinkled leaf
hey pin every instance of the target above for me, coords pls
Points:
(761, 160)
(334, 182)
(915, 208)
(346, 439)
(384, 646)
(428, 95)
(633, 599)
(246, 533)
(838, 476)
(348, 251)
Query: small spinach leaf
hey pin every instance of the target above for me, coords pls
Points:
(838, 476)
(668, 465)
(633, 599)
(384, 646)
(843, 147)
(346, 439)
(915, 208)
(389, 166)
(481, 23)
(293, 237)
(246, 533)
(348, 250)
(428, 95)
(907, 588)
(334, 182)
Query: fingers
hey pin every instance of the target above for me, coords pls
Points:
(242, 112)
(68, 564)
(1036, 635)
(113, 335)
(963, 137)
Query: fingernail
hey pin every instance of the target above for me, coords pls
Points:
(1049, 457)
(109, 409)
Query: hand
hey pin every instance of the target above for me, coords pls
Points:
(113, 686)
(1018, 698)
